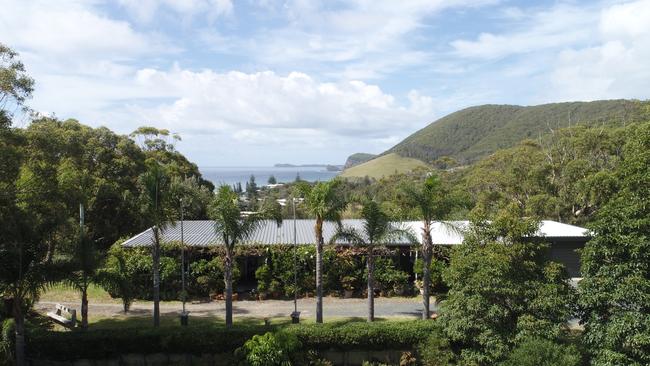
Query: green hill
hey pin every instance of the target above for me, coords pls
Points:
(472, 133)
(383, 166)
(356, 159)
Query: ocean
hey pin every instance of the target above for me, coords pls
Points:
(232, 175)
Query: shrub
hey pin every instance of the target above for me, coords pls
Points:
(361, 335)
(437, 284)
(270, 349)
(7, 335)
(206, 277)
(435, 350)
(110, 343)
(542, 352)
(388, 278)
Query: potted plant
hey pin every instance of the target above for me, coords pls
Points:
(347, 282)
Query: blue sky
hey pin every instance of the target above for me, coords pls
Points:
(259, 82)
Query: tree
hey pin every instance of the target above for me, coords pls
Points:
(16, 86)
(272, 180)
(503, 290)
(158, 209)
(251, 193)
(615, 290)
(377, 230)
(82, 266)
(232, 228)
(115, 276)
(325, 203)
(431, 204)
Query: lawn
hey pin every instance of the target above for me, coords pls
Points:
(61, 293)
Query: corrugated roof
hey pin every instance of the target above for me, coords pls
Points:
(200, 233)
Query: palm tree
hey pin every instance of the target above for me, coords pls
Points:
(325, 203)
(83, 266)
(24, 271)
(233, 228)
(377, 230)
(156, 202)
(431, 204)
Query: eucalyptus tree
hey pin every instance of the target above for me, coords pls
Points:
(325, 202)
(431, 204)
(232, 228)
(615, 291)
(157, 206)
(377, 230)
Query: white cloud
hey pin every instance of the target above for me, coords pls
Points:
(251, 106)
(617, 66)
(557, 27)
(146, 10)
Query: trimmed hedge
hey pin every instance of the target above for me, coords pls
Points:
(363, 336)
(103, 344)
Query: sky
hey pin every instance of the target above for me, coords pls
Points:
(259, 82)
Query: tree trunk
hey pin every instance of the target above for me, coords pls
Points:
(426, 275)
(156, 277)
(84, 308)
(371, 284)
(19, 319)
(227, 278)
(319, 270)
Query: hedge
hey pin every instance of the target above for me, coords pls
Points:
(105, 344)
(363, 336)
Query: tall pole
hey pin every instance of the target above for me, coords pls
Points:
(182, 259)
(295, 259)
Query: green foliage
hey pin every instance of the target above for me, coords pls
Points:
(365, 336)
(543, 352)
(16, 86)
(206, 277)
(7, 341)
(476, 132)
(106, 344)
(436, 269)
(116, 277)
(567, 175)
(502, 289)
(435, 350)
(270, 349)
(339, 264)
(615, 291)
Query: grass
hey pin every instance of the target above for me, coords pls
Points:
(62, 293)
(383, 166)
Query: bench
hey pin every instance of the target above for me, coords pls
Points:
(64, 316)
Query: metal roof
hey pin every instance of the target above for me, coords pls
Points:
(200, 233)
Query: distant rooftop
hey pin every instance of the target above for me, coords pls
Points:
(200, 233)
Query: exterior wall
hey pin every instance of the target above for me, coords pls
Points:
(567, 252)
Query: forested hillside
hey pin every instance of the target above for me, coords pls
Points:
(475, 132)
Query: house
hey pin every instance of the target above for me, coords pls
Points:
(565, 240)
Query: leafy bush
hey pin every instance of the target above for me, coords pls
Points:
(270, 349)
(361, 335)
(435, 350)
(110, 343)
(388, 278)
(437, 284)
(206, 277)
(7, 335)
(542, 352)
